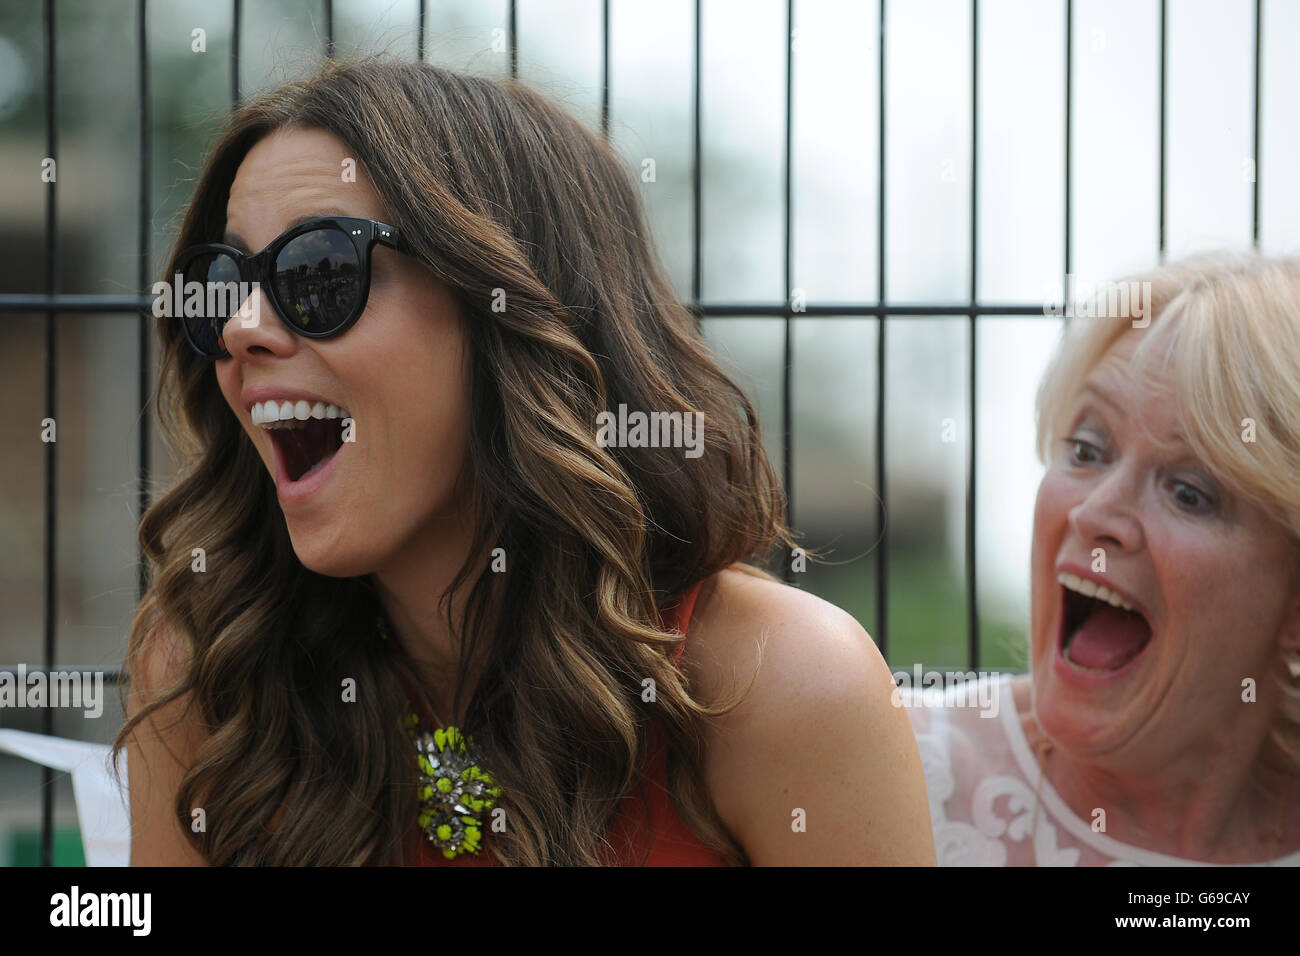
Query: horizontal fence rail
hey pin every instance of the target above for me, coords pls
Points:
(709, 310)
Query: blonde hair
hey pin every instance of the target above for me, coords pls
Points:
(1225, 329)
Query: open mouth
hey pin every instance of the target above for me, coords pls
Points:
(1099, 631)
(305, 437)
(305, 447)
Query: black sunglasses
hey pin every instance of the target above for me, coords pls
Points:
(316, 275)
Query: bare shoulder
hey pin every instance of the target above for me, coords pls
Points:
(816, 765)
(803, 637)
(160, 750)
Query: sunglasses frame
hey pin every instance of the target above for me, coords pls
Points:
(364, 234)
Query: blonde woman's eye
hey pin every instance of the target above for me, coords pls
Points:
(1081, 452)
(1190, 498)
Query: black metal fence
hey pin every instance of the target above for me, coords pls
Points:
(51, 303)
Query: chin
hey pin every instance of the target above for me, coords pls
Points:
(1073, 722)
(330, 555)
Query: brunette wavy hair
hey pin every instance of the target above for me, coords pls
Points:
(494, 187)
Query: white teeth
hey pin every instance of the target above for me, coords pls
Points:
(1094, 590)
(271, 414)
(1109, 596)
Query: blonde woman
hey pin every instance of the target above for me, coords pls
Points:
(1161, 721)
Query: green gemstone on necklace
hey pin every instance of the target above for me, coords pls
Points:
(455, 792)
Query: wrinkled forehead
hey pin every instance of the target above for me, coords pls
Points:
(1133, 384)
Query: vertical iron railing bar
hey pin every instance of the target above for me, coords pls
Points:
(146, 151)
(419, 35)
(1069, 135)
(604, 68)
(51, 408)
(514, 39)
(329, 29)
(972, 593)
(1254, 198)
(882, 527)
(787, 371)
(1164, 69)
(235, 12)
(696, 171)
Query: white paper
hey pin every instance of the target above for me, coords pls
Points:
(102, 807)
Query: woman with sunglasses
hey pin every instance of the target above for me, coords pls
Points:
(439, 614)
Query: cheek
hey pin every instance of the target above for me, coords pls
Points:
(407, 369)
(1048, 522)
(1217, 593)
(423, 402)
(423, 472)
(1051, 517)
(229, 381)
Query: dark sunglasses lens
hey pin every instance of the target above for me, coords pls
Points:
(317, 280)
(219, 276)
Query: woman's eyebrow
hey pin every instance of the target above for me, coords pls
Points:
(237, 241)
(1090, 388)
(1173, 438)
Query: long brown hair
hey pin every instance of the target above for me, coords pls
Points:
(495, 189)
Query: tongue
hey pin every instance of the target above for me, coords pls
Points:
(1108, 639)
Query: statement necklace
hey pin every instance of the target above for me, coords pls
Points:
(456, 794)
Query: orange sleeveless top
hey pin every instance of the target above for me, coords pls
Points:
(648, 826)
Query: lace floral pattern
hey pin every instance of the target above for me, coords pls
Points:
(981, 775)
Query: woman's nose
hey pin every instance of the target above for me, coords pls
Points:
(1107, 515)
(255, 329)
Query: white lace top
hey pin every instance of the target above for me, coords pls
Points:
(981, 775)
